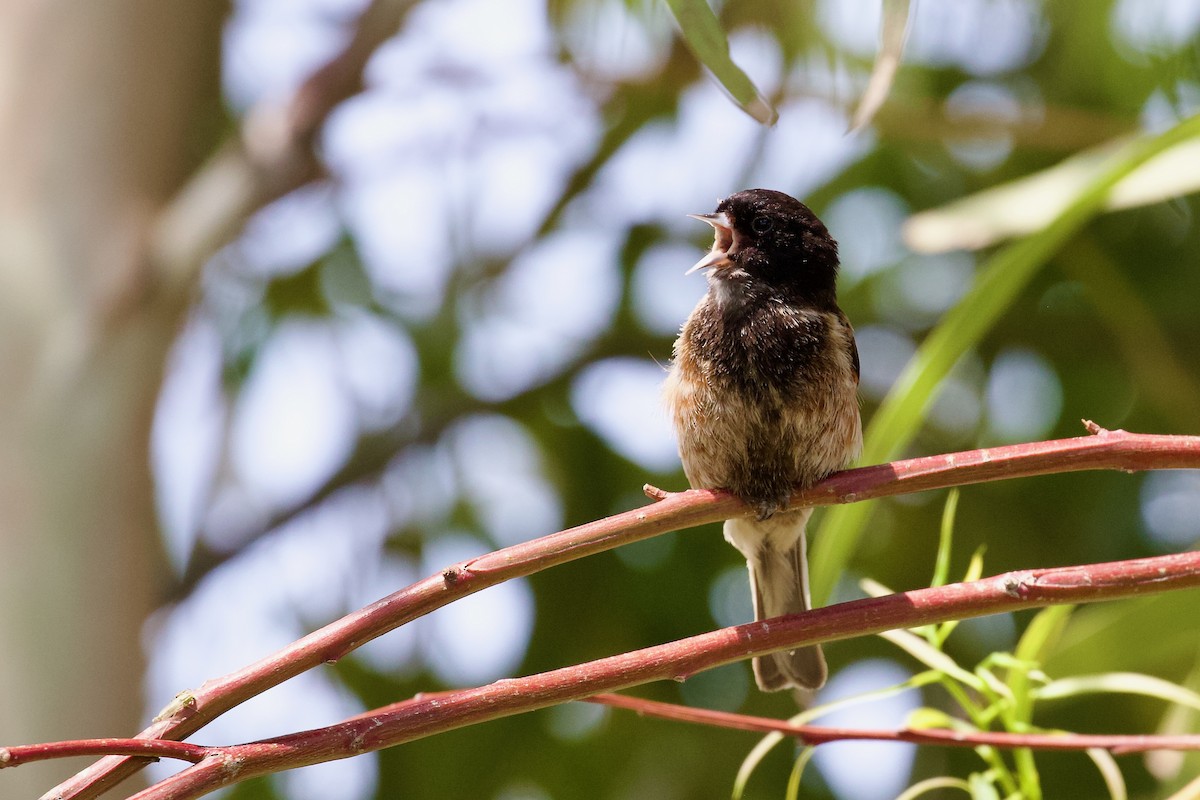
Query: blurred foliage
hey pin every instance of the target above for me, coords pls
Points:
(1108, 311)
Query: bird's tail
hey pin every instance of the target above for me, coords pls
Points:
(775, 552)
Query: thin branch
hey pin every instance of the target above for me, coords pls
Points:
(1120, 744)
(153, 748)
(427, 715)
(1102, 450)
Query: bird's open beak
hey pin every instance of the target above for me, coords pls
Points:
(719, 255)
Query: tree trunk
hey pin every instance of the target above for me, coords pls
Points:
(105, 108)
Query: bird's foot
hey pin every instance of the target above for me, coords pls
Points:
(766, 509)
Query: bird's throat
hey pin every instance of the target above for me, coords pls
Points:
(731, 292)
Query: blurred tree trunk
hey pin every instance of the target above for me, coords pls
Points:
(105, 108)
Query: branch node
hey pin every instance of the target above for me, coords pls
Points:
(1015, 585)
(654, 493)
(1093, 428)
(452, 575)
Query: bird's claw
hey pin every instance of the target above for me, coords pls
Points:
(766, 509)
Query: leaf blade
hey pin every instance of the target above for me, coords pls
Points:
(893, 31)
(706, 39)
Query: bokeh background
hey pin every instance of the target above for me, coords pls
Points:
(449, 334)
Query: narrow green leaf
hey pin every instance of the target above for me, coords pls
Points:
(1027, 774)
(1027, 204)
(1042, 633)
(997, 688)
(893, 30)
(873, 588)
(793, 784)
(975, 567)
(704, 37)
(768, 742)
(982, 787)
(1039, 636)
(933, 784)
(1169, 767)
(760, 750)
(974, 571)
(1122, 683)
(1110, 772)
(1009, 661)
(751, 762)
(1189, 792)
(925, 718)
(941, 567)
(998, 775)
(935, 659)
(995, 288)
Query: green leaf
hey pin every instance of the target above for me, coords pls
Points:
(1122, 683)
(764, 746)
(935, 659)
(893, 29)
(982, 787)
(996, 286)
(1189, 792)
(996, 688)
(873, 588)
(1027, 774)
(1173, 767)
(975, 567)
(925, 718)
(941, 567)
(793, 784)
(933, 784)
(1043, 633)
(974, 570)
(705, 38)
(1039, 636)
(1110, 772)
(1027, 204)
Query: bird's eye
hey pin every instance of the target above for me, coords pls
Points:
(762, 224)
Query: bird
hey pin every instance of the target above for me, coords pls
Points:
(763, 395)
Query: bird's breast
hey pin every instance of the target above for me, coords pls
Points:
(764, 403)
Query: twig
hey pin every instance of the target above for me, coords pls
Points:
(427, 715)
(655, 493)
(819, 734)
(153, 748)
(1103, 450)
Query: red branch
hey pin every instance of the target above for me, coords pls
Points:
(1119, 744)
(153, 748)
(1104, 450)
(427, 715)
